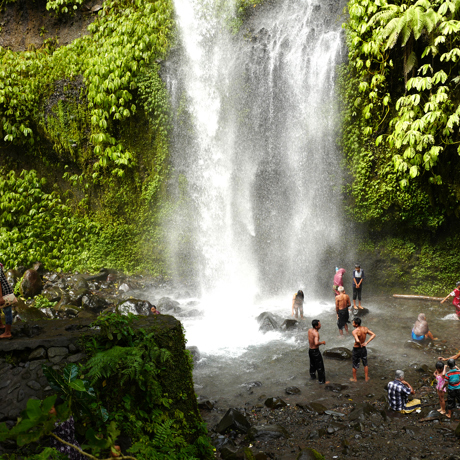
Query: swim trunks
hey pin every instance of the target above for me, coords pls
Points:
(359, 353)
(343, 316)
(417, 337)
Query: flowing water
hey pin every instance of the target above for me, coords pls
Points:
(257, 192)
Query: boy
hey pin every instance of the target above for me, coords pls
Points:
(453, 386)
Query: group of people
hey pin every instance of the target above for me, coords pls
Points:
(360, 334)
(358, 277)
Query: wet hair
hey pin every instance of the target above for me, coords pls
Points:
(451, 363)
(357, 321)
(439, 365)
(315, 322)
(300, 294)
(399, 375)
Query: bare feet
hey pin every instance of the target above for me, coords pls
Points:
(5, 336)
(367, 379)
(442, 412)
(361, 308)
(448, 416)
(353, 380)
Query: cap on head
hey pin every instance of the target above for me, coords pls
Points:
(341, 289)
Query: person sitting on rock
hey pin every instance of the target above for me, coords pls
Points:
(154, 310)
(398, 393)
(420, 330)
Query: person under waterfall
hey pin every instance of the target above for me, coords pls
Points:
(338, 280)
(342, 302)
(297, 304)
(316, 360)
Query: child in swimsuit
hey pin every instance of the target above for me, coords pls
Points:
(439, 374)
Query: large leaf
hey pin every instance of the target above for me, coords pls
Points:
(70, 372)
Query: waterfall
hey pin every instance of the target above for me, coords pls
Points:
(255, 163)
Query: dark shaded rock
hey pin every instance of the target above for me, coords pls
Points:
(457, 431)
(361, 312)
(341, 353)
(267, 322)
(275, 403)
(267, 432)
(196, 355)
(76, 296)
(289, 325)
(313, 407)
(39, 353)
(135, 306)
(309, 454)
(204, 403)
(432, 415)
(53, 293)
(31, 284)
(39, 268)
(13, 276)
(78, 282)
(337, 387)
(334, 413)
(28, 313)
(101, 276)
(93, 302)
(222, 441)
(233, 420)
(292, 391)
(361, 411)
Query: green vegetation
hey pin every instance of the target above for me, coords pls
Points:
(137, 382)
(401, 111)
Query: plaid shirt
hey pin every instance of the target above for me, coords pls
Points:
(6, 288)
(397, 395)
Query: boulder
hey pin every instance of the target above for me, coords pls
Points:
(292, 391)
(314, 407)
(12, 276)
(336, 387)
(135, 306)
(52, 293)
(361, 411)
(31, 284)
(78, 282)
(196, 355)
(93, 302)
(267, 322)
(275, 403)
(289, 324)
(340, 353)
(233, 421)
(267, 432)
(76, 295)
(204, 403)
(26, 313)
(166, 304)
(101, 276)
(39, 268)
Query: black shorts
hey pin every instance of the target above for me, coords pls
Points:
(359, 353)
(343, 318)
(452, 397)
(356, 293)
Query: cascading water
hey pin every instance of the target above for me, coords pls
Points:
(254, 152)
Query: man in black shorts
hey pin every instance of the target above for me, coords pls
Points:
(359, 348)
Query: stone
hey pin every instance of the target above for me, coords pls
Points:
(196, 355)
(334, 413)
(78, 282)
(124, 288)
(4, 384)
(31, 284)
(21, 396)
(34, 385)
(340, 353)
(289, 324)
(361, 411)
(233, 421)
(314, 407)
(135, 306)
(165, 304)
(267, 432)
(76, 358)
(57, 351)
(93, 303)
(309, 454)
(336, 387)
(76, 295)
(205, 403)
(27, 313)
(13, 276)
(38, 353)
(275, 403)
(292, 391)
(267, 322)
(413, 345)
(53, 294)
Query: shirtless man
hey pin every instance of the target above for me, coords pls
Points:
(359, 348)
(342, 302)
(316, 360)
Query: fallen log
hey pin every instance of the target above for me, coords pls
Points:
(418, 297)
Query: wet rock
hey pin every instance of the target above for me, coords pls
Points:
(292, 391)
(76, 296)
(413, 345)
(309, 454)
(251, 385)
(39, 268)
(289, 325)
(124, 287)
(336, 387)
(28, 313)
(275, 403)
(53, 293)
(267, 322)
(78, 282)
(204, 403)
(135, 306)
(432, 415)
(334, 413)
(267, 432)
(39, 353)
(101, 276)
(166, 304)
(13, 276)
(93, 302)
(196, 355)
(313, 407)
(222, 441)
(31, 284)
(340, 353)
(233, 421)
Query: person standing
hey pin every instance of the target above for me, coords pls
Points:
(316, 360)
(398, 392)
(456, 295)
(5, 289)
(342, 302)
(338, 280)
(358, 276)
(359, 348)
(452, 382)
(297, 304)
